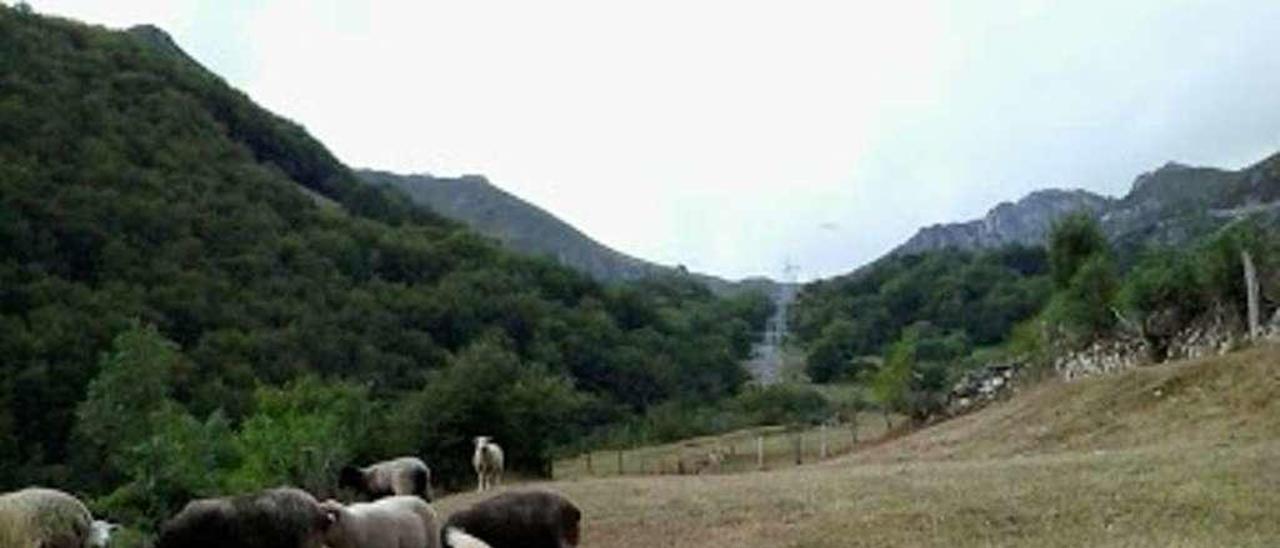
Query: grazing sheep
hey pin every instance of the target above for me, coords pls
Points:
(404, 521)
(276, 518)
(516, 519)
(46, 518)
(100, 533)
(402, 476)
(487, 462)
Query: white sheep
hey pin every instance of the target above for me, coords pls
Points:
(401, 476)
(46, 518)
(487, 461)
(404, 521)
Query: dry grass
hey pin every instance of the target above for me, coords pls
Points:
(1179, 455)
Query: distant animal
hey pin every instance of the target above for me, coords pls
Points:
(711, 461)
(47, 518)
(515, 519)
(401, 476)
(487, 461)
(284, 517)
(403, 521)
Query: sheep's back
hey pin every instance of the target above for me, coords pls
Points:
(44, 517)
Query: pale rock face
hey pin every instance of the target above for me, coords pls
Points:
(1170, 206)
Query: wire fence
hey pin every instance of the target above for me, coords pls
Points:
(754, 449)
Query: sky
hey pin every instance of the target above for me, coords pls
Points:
(734, 136)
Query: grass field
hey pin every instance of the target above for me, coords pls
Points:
(1185, 454)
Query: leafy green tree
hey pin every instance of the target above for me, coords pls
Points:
(135, 381)
(892, 383)
(182, 458)
(832, 356)
(303, 434)
(1084, 309)
(1073, 241)
(487, 391)
(782, 404)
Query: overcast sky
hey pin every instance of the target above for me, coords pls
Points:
(731, 136)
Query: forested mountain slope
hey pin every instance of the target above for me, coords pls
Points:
(527, 228)
(161, 261)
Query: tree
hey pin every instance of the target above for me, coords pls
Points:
(487, 390)
(893, 381)
(303, 434)
(1073, 241)
(831, 357)
(135, 379)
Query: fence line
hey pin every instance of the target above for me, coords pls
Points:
(773, 449)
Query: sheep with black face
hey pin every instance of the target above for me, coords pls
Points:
(401, 476)
(515, 519)
(276, 518)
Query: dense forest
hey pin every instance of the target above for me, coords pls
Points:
(196, 297)
(907, 326)
(967, 298)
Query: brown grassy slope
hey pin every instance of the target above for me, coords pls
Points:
(1179, 455)
(1232, 399)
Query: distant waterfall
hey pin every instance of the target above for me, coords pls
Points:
(766, 357)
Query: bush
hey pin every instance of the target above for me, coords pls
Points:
(1073, 241)
(781, 404)
(302, 435)
(487, 391)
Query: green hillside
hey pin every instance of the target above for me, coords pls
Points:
(170, 272)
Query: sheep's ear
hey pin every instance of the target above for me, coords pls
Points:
(350, 476)
(332, 512)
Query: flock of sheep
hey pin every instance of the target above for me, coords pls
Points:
(399, 515)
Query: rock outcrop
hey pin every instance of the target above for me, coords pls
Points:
(1171, 205)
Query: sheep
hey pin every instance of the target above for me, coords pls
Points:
(403, 521)
(100, 533)
(46, 518)
(487, 461)
(516, 519)
(284, 517)
(402, 476)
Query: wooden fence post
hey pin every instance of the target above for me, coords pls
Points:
(797, 443)
(760, 452)
(619, 462)
(822, 430)
(590, 470)
(1251, 288)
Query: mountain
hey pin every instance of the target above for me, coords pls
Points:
(172, 250)
(529, 229)
(1026, 222)
(1171, 205)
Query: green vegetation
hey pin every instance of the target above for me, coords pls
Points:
(934, 315)
(180, 316)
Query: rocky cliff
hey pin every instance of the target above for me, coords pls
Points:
(1169, 206)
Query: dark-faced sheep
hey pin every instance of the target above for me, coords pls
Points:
(46, 518)
(276, 518)
(402, 476)
(517, 519)
(404, 521)
(487, 461)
